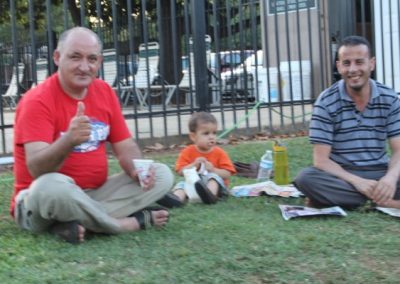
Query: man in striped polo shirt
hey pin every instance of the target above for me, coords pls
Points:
(351, 122)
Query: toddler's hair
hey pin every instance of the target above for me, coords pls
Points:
(198, 118)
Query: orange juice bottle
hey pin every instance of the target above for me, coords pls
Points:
(281, 165)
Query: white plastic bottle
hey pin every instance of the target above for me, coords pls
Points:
(266, 166)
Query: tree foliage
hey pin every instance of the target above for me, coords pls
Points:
(151, 20)
(228, 15)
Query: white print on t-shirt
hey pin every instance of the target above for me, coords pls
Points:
(99, 132)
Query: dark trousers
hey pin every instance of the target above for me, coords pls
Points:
(329, 190)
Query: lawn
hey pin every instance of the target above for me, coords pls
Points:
(236, 241)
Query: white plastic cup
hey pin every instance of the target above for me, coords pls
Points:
(142, 167)
(191, 176)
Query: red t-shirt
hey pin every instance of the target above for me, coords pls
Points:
(44, 113)
(217, 156)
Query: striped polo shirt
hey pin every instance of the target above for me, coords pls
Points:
(357, 138)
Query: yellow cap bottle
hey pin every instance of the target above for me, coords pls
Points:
(281, 165)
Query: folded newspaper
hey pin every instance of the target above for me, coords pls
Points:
(267, 187)
(391, 211)
(293, 211)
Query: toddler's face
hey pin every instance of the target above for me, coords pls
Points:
(205, 136)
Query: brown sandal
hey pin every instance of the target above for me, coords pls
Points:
(67, 231)
(145, 218)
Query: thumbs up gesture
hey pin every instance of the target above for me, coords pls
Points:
(79, 127)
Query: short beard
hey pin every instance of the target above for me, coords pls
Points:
(356, 88)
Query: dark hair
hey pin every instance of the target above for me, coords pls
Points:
(354, 40)
(198, 118)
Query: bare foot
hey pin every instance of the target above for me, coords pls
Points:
(213, 186)
(160, 217)
(391, 204)
(131, 224)
(81, 233)
(180, 193)
(71, 231)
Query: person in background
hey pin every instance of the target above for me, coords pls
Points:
(351, 122)
(212, 162)
(61, 171)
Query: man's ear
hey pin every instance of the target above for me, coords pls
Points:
(56, 57)
(337, 64)
(372, 63)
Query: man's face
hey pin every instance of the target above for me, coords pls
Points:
(355, 66)
(78, 61)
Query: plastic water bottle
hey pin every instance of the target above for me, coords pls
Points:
(281, 165)
(266, 166)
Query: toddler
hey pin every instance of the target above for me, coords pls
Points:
(211, 162)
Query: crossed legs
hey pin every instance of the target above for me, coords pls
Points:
(326, 189)
(56, 198)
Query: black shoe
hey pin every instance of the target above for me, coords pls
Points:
(205, 194)
(170, 200)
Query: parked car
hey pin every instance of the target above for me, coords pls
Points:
(228, 60)
(240, 83)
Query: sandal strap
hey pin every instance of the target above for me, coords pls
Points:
(144, 219)
(170, 200)
(67, 231)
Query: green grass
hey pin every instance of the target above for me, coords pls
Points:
(237, 241)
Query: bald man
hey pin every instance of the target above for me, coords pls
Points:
(61, 129)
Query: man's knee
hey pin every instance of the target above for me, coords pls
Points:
(51, 185)
(304, 179)
(165, 174)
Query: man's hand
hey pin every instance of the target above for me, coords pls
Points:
(149, 181)
(365, 186)
(79, 127)
(384, 190)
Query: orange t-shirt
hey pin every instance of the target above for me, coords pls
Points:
(217, 156)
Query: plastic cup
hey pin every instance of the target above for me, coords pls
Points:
(142, 168)
(191, 176)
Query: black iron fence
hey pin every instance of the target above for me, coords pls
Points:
(256, 64)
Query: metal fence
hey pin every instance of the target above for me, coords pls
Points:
(257, 65)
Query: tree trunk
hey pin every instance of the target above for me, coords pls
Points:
(169, 62)
(75, 13)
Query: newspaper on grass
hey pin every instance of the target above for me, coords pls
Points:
(390, 211)
(267, 187)
(293, 211)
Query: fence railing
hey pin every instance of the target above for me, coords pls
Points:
(257, 64)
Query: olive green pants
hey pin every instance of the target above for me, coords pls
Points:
(55, 197)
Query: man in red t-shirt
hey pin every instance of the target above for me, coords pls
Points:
(61, 171)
